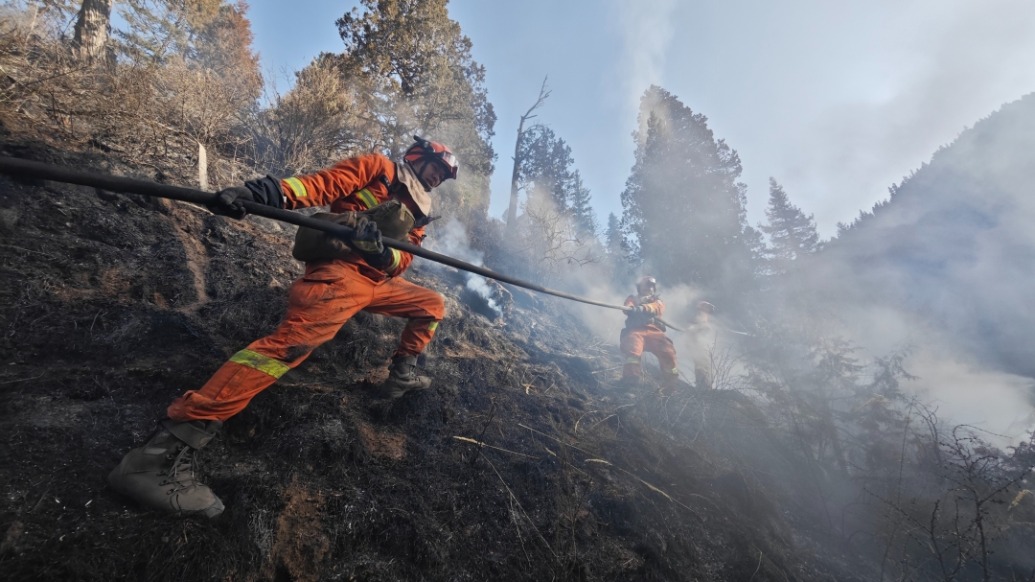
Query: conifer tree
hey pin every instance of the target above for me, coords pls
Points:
(580, 208)
(157, 30)
(791, 233)
(614, 240)
(546, 166)
(419, 76)
(684, 203)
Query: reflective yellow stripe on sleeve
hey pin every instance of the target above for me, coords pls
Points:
(433, 326)
(632, 359)
(257, 361)
(366, 198)
(396, 259)
(297, 187)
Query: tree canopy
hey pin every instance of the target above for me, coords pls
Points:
(418, 76)
(791, 233)
(683, 203)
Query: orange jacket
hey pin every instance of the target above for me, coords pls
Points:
(655, 308)
(353, 184)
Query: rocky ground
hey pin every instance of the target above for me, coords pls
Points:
(524, 461)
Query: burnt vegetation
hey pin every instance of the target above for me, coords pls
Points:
(526, 460)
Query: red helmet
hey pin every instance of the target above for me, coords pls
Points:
(647, 285)
(432, 150)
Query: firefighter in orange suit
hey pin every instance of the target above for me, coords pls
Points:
(160, 474)
(643, 332)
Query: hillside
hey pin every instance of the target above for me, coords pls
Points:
(954, 242)
(522, 463)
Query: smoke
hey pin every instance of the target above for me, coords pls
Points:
(963, 393)
(646, 36)
(964, 61)
(451, 239)
(949, 375)
(479, 285)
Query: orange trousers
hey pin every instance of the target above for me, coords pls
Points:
(635, 341)
(318, 305)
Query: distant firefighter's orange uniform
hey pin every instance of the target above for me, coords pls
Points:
(642, 333)
(327, 296)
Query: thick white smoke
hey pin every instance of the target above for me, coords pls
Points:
(451, 239)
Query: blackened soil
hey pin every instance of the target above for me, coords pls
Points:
(523, 462)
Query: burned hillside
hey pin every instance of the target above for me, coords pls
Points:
(523, 461)
(818, 455)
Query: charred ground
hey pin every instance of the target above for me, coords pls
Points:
(524, 462)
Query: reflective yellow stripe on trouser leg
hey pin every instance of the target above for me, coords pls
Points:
(257, 361)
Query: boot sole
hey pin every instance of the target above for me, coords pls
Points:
(211, 512)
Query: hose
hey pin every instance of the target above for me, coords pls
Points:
(22, 168)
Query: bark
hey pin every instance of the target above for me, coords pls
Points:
(512, 208)
(92, 28)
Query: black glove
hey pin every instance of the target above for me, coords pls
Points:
(368, 244)
(227, 202)
(368, 236)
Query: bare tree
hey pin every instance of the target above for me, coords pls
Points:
(544, 93)
(548, 242)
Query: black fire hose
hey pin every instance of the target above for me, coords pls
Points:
(37, 170)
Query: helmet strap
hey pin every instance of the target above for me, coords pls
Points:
(417, 172)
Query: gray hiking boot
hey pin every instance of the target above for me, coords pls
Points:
(403, 378)
(160, 474)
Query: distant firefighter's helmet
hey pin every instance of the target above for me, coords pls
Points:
(647, 285)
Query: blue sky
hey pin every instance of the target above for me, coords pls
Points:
(836, 100)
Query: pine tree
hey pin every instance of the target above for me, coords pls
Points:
(792, 234)
(546, 166)
(683, 202)
(157, 30)
(614, 239)
(580, 209)
(547, 169)
(420, 77)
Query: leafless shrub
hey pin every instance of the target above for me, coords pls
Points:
(160, 113)
(548, 243)
(314, 124)
(941, 500)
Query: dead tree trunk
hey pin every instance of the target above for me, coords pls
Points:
(512, 209)
(92, 28)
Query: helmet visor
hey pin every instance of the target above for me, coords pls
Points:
(449, 160)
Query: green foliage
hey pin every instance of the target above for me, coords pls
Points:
(546, 169)
(419, 77)
(319, 121)
(614, 240)
(581, 210)
(683, 202)
(792, 234)
(545, 164)
(157, 30)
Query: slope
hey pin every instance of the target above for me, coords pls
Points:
(522, 463)
(954, 242)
